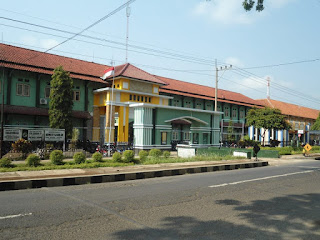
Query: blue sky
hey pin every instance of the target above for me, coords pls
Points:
(195, 31)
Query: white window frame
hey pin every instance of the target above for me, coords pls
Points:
(24, 87)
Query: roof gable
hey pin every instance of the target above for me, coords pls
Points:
(130, 71)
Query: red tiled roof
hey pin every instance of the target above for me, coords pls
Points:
(35, 61)
(291, 109)
(130, 71)
(205, 92)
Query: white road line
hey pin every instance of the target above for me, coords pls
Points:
(259, 179)
(15, 216)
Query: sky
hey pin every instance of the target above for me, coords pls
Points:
(183, 39)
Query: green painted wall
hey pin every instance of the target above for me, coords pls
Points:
(27, 79)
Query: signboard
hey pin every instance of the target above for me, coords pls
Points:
(300, 131)
(11, 135)
(307, 147)
(54, 135)
(35, 135)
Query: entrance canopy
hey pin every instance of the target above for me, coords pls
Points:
(186, 120)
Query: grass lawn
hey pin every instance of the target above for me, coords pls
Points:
(110, 163)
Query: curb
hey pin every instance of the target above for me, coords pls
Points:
(68, 181)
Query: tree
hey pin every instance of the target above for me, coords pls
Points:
(248, 5)
(316, 125)
(267, 118)
(61, 101)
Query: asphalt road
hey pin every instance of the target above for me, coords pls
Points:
(275, 202)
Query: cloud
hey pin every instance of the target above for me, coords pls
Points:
(232, 12)
(48, 43)
(29, 40)
(36, 42)
(234, 61)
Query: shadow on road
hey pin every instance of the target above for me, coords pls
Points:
(288, 217)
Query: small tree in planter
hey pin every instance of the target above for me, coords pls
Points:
(23, 146)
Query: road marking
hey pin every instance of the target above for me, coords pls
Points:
(259, 179)
(309, 167)
(15, 216)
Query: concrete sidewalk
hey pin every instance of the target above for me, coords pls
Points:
(65, 177)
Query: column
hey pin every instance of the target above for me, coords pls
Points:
(96, 124)
(109, 111)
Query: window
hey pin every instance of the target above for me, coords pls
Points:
(163, 138)
(199, 106)
(188, 104)
(130, 98)
(141, 98)
(47, 92)
(23, 90)
(125, 85)
(175, 135)
(118, 85)
(241, 113)
(76, 96)
(134, 97)
(226, 112)
(186, 136)
(176, 102)
(146, 99)
(234, 112)
(195, 139)
(205, 138)
(138, 99)
(149, 99)
(155, 90)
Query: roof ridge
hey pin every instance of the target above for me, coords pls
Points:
(56, 55)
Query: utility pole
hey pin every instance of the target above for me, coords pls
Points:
(128, 11)
(2, 103)
(268, 87)
(224, 68)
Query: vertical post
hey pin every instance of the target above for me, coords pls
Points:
(268, 88)
(110, 112)
(2, 108)
(127, 38)
(216, 89)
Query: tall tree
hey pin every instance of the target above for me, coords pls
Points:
(248, 5)
(316, 125)
(61, 101)
(267, 118)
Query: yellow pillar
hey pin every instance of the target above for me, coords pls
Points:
(96, 124)
(107, 127)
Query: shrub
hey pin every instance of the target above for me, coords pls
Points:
(166, 154)
(155, 153)
(5, 163)
(143, 155)
(79, 157)
(128, 156)
(116, 157)
(56, 157)
(22, 146)
(33, 160)
(97, 157)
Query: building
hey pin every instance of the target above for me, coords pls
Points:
(301, 119)
(133, 107)
(27, 74)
